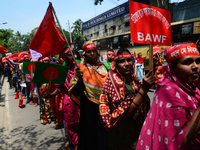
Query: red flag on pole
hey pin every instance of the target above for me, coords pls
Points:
(47, 40)
(156, 49)
(3, 49)
(21, 54)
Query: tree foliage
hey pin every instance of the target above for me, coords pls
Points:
(17, 42)
(77, 26)
(5, 35)
(77, 34)
(96, 2)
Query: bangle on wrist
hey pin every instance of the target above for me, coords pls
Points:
(136, 104)
(195, 124)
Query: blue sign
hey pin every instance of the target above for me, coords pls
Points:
(119, 10)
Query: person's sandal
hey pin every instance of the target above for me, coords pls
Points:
(56, 126)
(66, 146)
(31, 103)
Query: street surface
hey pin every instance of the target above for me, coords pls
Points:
(20, 128)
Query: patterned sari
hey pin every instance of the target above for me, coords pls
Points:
(115, 99)
(47, 109)
(70, 110)
(94, 76)
(91, 133)
(174, 103)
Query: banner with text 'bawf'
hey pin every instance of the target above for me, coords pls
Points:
(149, 25)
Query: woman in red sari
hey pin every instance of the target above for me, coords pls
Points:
(122, 102)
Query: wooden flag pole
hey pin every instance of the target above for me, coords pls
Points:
(62, 32)
(49, 83)
(151, 57)
(70, 35)
(197, 41)
(31, 71)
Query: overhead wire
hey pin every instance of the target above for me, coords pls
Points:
(113, 2)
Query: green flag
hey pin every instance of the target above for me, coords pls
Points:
(77, 60)
(27, 67)
(44, 70)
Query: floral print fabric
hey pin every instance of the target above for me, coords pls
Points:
(114, 101)
(173, 105)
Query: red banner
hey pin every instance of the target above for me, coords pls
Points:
(156, 49)
(149, 25)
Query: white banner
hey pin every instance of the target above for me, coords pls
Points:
(8, 54)
(34, 54)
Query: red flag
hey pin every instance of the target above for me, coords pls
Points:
(3, 49)
(21, 54)
(156, 49)
(9, 56)
(140, 60)
(14, 56)
(47, 40)
(4, 59)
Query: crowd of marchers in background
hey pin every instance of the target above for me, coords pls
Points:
(104, 103)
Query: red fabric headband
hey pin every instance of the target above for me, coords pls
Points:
(34, 60)
(180, 51)
(89, 46)
(110, 52)
(25, 55)
(46, 58)
(14, 56)
(66, 51)
(123, 55)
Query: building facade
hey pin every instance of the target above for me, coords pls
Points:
(111, 30)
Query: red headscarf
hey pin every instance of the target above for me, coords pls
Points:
(89, 46)
(66, 51)
(46, 58)
(178, 51)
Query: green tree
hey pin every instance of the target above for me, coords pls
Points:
(5, 35)
(76, 28)
(78, 40)
(27, 38)
(96, 2)
(77, 35)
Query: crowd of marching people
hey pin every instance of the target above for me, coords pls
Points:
(105, 105)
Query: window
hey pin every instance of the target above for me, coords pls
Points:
(105, 26)
(125, 41)
(103, 44)
(116, 42)
(175, 33)
(186, 32)
(127, 24)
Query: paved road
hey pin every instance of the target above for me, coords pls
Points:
(20, 128)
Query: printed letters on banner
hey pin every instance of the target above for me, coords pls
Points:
(149, 25)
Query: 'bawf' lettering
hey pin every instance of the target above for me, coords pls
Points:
(149, 37)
